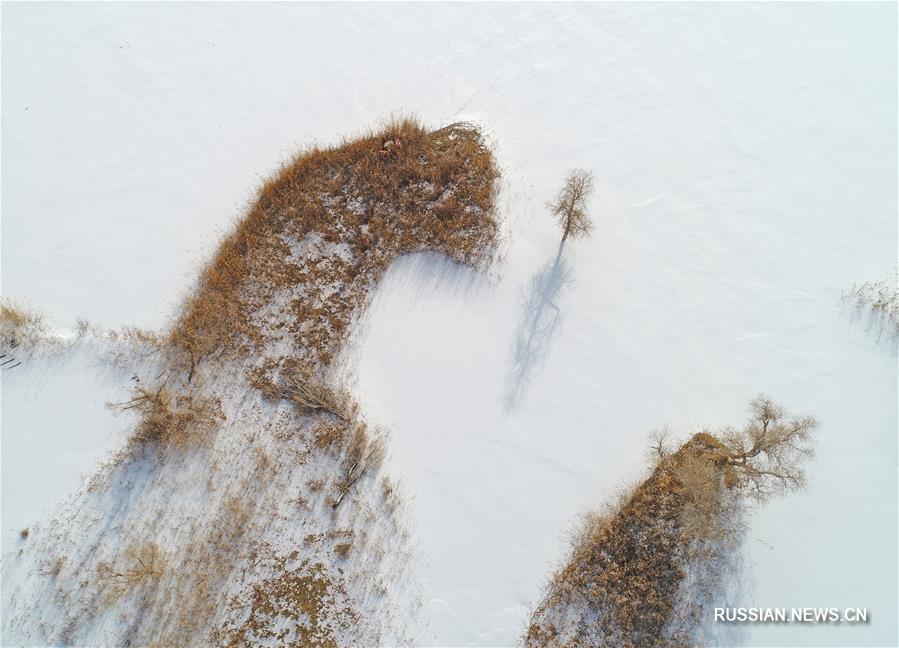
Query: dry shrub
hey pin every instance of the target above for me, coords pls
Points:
(141, 568)
(84, 328)
(391, 493)
(308, 393)
(703, 489)
(20, 324)
(52, 566)
(364, 454)
(167, 419)
(233, 520)
(329, 436)
(880, 299)
(342, 541)
(262, 464)
(311, 396)
(143, 337)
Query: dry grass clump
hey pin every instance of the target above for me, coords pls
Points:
(168, 419)
(142, 567)
(20, 324)
(52, 566)
(142, 337)
(621, 582)
(881, 300)
(327, 226)
(343, 549)
(316, 397)
(365, 453)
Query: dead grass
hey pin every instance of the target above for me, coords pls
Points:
(880, 299)
(624, 567)
(20, 324)
(141, 568)
(354, 207)
(305, 391)
(621, 582)
(301, 606)
(171, 420)
(52, 566)
(365, 453)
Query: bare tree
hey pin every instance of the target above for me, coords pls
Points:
(570, 206)
(766, 456)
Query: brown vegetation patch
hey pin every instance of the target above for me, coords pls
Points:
(326, 227)
(141, 569)
(301, 606)
(169, 419)
(620, 584)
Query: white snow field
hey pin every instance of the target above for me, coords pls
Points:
(746, 157)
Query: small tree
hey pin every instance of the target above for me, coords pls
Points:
(571, 204)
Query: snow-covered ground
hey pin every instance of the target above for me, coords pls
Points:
(56, 428)
(746, 157)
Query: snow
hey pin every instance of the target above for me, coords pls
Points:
(746, 158)
(56, 427)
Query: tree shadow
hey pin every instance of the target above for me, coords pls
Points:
(538, 325)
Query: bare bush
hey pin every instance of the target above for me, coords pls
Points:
(52, 566)
(703, 491)
(20, 324)
(143, 565)
(364, 454)
(169, 419)
(570, 206)
(316, 397)
(880, 299)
